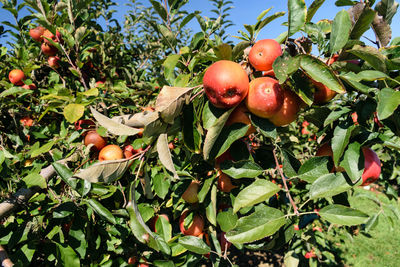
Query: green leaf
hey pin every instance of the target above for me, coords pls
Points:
(161, 184)
(259, 191)
(241, 169)
(35, 179)
(313, 168)
(336, 114)
(313, 9)
(343, 215)
(211, 209)
(205, 189)
(320, 72)
(351, 161)
(194, 244)
(284, 66)
(169, 67)
(371, 55)
(264, 126)
(67, 256)
(341, 28)
(328, 185)
(73, 112)
(214, 132)
(340, 140)
(164, 228)
(238, 49)
(101, 211)
(160, 9)
(261, 24)
(363, 20)
(43, 149)
(297, 15)
(389, 100)
(265, 221)
(65, 173)
(290, 164)
(227, 220)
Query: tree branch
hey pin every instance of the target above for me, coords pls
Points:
(4, 259)
(285, 184)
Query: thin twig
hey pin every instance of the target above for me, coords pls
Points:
(197, 94)
(285, 184)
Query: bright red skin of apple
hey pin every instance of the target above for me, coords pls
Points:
(16, 77)
(265, 97)
(226, 84)
(322, 93)
(263, 54)
(372, 166)
(32, 86)
(37, 33)
(53, 62)
(48, 50)
(288, 112)
(195, 229)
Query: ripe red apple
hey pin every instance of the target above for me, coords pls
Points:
(310, 254)
(132, 260)
(190, 194)
(92, 137)
(372, 166)
(84, 124)
(32, 86)
(129, 151)
(37, 33)
(48, 50)
(26, 121)
(98, 83)
(16, 77)
(226, 84)
(322, 93)
(111, 152)
(225, 183)
(195, 228)
(263, 54)
(240, 115)
(48, 34)
(289, 109)
(265, 97)
(53, 62)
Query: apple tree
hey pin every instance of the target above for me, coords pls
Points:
(195, 176)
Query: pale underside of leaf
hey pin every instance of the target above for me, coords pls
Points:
(113, 126)
(171, 100)
(164, 154)
(105, 172)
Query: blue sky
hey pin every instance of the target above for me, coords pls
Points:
(244, 12)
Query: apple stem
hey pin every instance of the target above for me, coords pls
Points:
(197, 94)
(285, 184)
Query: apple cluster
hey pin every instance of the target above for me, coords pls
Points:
(227, 85)
(42, 35)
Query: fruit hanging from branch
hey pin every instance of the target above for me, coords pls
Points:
(226, 84)
(265, 97)
(263, 54)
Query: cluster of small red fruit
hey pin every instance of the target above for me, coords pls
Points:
(41, 35)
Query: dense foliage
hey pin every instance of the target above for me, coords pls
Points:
(140, 85)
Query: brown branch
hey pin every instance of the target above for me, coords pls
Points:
(285, 184)
(4, 259)
(24, 194)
